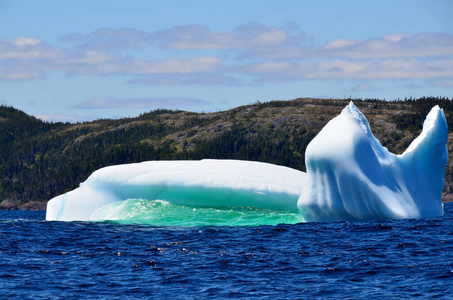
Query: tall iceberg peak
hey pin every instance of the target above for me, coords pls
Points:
(351, 176)
(435, 131)
(428, 156)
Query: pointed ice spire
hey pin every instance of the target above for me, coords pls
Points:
(428, 156)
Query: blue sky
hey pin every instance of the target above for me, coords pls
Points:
(84, 60)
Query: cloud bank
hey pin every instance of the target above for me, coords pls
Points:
(249, 54)
(146, 103)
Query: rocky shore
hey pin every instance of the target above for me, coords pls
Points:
(33, 205)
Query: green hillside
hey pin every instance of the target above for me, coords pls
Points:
(40, 160)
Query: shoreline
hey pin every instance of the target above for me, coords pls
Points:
(446, 198)
(33, 205)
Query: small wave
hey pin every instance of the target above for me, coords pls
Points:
(164, 213)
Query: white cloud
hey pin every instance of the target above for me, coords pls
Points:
(391, 46)
(272, 66)
(25, 41)
(31, 60)
(109, 39)
(89, 58)
(175, 65)
(364, 86)
(109, 65)
(340, 43)
(394, 37)
(388, 46)
(201, 38)
(345, 69)
(248, 53)
(18, 72)
(339, 68)
(186, 79)
(191, 37)
(28, 49)
(149, 103)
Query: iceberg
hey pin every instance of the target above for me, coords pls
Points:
(204, 183)
(350, 177)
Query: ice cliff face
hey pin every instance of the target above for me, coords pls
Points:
(352, 177)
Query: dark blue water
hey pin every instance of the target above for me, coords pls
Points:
(79, 260)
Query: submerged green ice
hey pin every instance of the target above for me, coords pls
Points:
(164, 213)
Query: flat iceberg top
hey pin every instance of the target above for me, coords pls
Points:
(233, 174)
(205, 183)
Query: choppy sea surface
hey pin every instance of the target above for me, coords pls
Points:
(195, 254)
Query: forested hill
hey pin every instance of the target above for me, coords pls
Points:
(40, 160)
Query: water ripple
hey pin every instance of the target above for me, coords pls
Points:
(98, 260)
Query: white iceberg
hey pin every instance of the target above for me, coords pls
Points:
(353, 177)
(204, 183)
(350, 176)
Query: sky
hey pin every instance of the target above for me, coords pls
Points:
(85, 60)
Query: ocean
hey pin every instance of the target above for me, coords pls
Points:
(201, 260)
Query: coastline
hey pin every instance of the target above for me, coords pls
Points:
(33, 205)
(447, 197)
